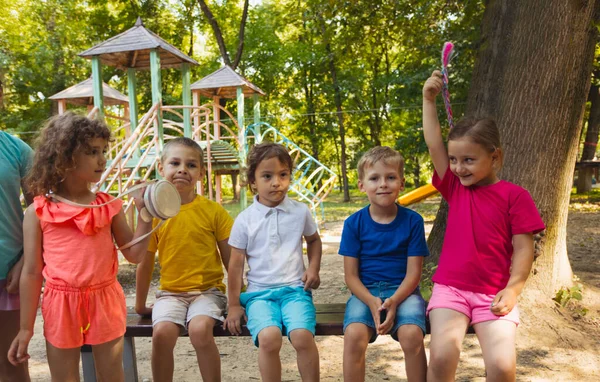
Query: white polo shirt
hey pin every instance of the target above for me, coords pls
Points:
(272, 238)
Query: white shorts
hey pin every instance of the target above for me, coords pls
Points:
(180, 308)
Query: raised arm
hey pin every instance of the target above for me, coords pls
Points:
(123, 235)
(235, 312)
(30, 285)
(431, 124)
(143, 277)
(522, 262)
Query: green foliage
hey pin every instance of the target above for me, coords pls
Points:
(426, 284)
(570, 297)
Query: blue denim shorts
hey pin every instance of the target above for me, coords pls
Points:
(411, 311)
(288, 308)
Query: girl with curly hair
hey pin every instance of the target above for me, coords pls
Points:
(72, 249)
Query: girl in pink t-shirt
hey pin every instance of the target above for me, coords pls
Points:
(488, 245)
(72, 249)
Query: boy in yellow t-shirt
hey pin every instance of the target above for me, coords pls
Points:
(192, 249)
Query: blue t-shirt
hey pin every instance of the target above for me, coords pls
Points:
(15, 160)
(383, 249)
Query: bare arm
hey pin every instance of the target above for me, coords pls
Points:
(522, 262)
(359, 290)
(431, 125)
(30, 285)
(235, 272)
(123, 235)
(314, 250)
(225, 251)
(411, 280)
(143, 277)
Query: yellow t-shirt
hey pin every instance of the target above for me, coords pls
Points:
(187, 247)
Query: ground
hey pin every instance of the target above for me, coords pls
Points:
(554, 344)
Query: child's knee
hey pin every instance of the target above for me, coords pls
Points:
(200, 330)
(269, 339)
(302, 340)
(357, 336)
(410, 338)
(165, 334)
(501, 368)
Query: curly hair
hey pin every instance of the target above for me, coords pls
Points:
(60, 139)
(264, 151)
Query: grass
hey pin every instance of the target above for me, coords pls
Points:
(586, 202)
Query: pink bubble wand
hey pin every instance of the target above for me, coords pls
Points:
(448, 54)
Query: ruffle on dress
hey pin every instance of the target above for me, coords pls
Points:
(88, 220)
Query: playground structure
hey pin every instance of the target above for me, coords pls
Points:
(134, 153)
(417, 195)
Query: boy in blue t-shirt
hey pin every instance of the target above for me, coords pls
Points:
(383, 246)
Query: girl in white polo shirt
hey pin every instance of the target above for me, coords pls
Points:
(269, 235)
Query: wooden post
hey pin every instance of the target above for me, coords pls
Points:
(97, 84)
(157, 92)
(242, 140)
(185, 95)
(256, 111)
(62, 106)
(196, 103)
(217, 135)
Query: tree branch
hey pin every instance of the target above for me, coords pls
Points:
(216, 30)
(240, 49)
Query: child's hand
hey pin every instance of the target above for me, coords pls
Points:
(504, 302)
(138, 196)
(144, 310)
(18, 349)
(375, 308)
(311, 279)
(433, 86)
(14, 276)
(389, 306)
(233, 322)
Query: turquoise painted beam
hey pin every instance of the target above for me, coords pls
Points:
(97, 86)
(257, 114)
(133, 105)
(186, 96)
(157, 91)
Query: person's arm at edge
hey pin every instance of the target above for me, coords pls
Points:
(30, 285)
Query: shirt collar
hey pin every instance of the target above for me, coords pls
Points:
(284, 206)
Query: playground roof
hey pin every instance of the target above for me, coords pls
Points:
(83, 94)
(131, 49)
(224, 83)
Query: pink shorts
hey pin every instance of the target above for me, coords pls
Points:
(76, 316)
(8, 301)
(476, 306)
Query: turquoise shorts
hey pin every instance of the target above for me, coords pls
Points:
(288, 308)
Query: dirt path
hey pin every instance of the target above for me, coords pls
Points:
(553, 345)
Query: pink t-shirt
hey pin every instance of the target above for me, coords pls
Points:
(477, 250)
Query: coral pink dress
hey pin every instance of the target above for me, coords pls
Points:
(83, 302)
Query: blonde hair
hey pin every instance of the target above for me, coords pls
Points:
(386, 154)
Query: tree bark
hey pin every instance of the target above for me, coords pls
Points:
(219, 35)
(532, 75)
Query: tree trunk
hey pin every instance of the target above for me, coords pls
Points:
(532, 75)
(584, 177)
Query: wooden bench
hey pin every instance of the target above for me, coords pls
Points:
(330, 318)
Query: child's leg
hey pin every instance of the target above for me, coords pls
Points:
(9, 322)
(203, 314)
(300, 319)
(448, 328)
(164, 338)
(307, 353)
(63, 363)
(497, 340)
(356, 339)
(108, 358)
(200, 330)
(409, 328)
(411, 341)
(269, 345)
